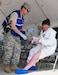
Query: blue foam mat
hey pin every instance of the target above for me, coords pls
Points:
(20, 71)
(33, 68)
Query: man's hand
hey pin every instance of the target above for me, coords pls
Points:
(23, 36)
(36, 41)
(30, 39)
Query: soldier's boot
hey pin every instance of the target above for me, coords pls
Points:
(7, 69)
(14, 67)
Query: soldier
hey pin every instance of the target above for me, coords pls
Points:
(12, 39)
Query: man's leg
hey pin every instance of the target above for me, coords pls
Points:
(33, 60)
(8, 47)
(16, 55)
(33, 51)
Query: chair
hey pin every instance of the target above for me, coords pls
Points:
(56, 54)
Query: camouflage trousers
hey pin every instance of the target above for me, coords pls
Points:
(12, 49)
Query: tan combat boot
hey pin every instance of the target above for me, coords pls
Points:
(7, 69)
(14, 67)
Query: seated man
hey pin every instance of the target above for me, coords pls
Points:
(45, 45)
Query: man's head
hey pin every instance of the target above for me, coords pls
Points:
(25, 8)
(45, 24)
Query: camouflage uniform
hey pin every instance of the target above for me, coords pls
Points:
(12, 49)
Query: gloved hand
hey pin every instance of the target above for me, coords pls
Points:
(31, 30)
(23, 36)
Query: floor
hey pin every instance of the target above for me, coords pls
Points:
(43, 70)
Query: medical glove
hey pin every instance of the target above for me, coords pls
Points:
(23, 36)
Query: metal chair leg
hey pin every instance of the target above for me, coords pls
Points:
(55, 63)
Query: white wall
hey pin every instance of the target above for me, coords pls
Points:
(54, 23)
